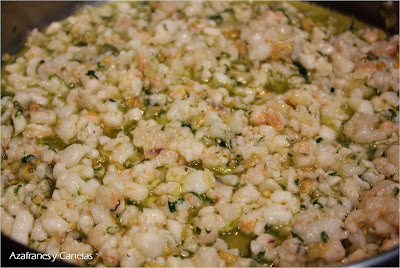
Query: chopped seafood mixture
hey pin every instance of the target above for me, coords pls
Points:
(202, 134)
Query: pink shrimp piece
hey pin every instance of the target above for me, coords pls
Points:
(274, 119)
(385, 49)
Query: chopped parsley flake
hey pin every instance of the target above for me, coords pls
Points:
(324, 237)
(171, 205)
(112, 229)
(393, 114)
(16, 190)
(187, 125)
(197, 230)
(302, 70)
(297, 236)
(91, 73)
(318, 203)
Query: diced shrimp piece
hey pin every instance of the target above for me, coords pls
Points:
(110, 196)
(267, 115)
(370, 35)
(385, 49)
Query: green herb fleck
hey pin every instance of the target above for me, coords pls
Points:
(393, 114)
(101, 66)
(54, 75)
(112, 229)
(333, 174)
(16, 190)
(209, 200)
(197, 230)
(227, 55)
(369, 58)
(144, 160)
(171, 205)
(302, 70)
(297, 236)
(297, 182)
(197, 195)
(109, 47)
(303, 207)
(29, 159)
(44, 207)
(375, 89)
(231, 10)
(187, 125)
(16, 104)
(106, 18)
(216, 17)
(324, 237)
(318, 203)
(261, 257)
(269, 229)
(371, 157)
(98, 169)
(91, 73)
(220, 142)
(238, 84)
(226, 68)
(319, 140)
